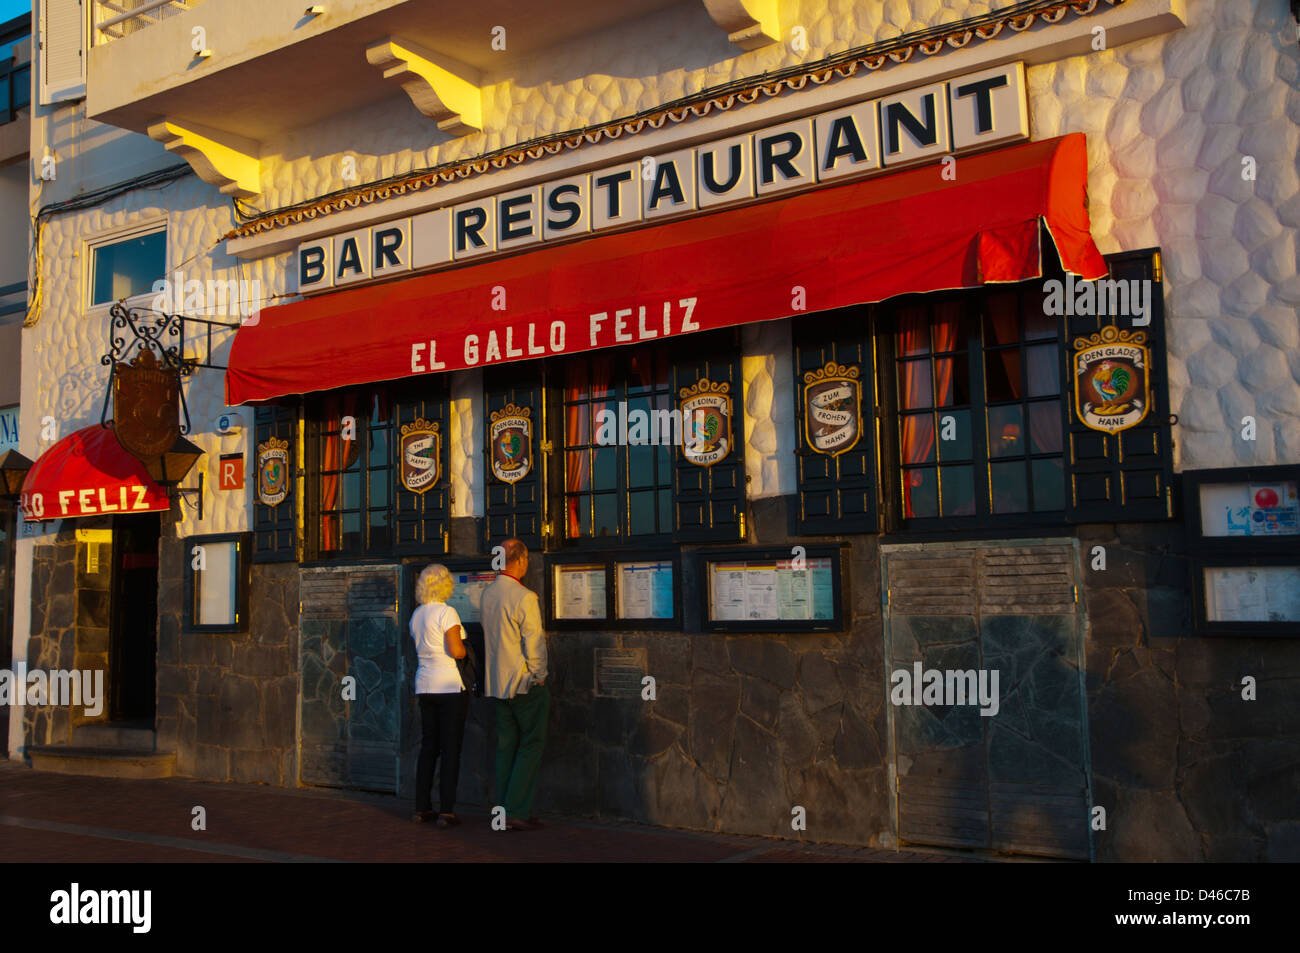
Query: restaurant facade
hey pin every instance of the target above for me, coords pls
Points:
(900, 400)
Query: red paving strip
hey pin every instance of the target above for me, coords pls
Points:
(45, 847)
(349, 826)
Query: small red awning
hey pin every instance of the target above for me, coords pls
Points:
(911, 231)
(88, 474)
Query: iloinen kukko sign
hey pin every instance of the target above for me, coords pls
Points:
(955, 116)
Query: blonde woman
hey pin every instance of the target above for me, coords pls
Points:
(444, 701)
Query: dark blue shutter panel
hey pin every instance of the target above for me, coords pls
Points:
(1128, 475)
(274, 527)
(709, 502)
(514, 509)
(836, 494)
(420, 520)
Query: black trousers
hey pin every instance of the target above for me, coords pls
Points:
(442, 723)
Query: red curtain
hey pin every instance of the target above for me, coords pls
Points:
(918, 429)
(337, 454)
(586, 380)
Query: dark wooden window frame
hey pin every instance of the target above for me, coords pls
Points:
(243, 567)
(838, 552)
(1208, 552)
(610, 559)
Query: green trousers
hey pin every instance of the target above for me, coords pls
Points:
(521, 737)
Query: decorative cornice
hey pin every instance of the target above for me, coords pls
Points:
(930, 42)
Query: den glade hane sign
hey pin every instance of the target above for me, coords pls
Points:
(904, 128)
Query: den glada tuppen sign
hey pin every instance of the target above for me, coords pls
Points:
(1112, 381)
(956, 116)
(832, 398)
(511, 434)
(706, 422)
(146, 406)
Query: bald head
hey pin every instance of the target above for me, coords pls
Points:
(516, 556)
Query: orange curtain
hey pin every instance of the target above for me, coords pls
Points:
(337, 454)
(918, 429)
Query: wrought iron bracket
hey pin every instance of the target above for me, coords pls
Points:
(132, 330)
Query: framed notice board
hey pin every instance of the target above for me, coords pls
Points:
(614, 590)
(786, 589)
(1244, 549)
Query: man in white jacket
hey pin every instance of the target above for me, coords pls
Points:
(515, 671)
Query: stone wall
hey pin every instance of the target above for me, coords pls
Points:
(227, 703)
(1185, 768)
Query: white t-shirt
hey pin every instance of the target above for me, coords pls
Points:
(437, 673)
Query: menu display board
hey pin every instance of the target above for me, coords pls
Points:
(1250, 509)
(1252, 593)
(467, 597)
(579, 591)
(645, 589)
(771, 590)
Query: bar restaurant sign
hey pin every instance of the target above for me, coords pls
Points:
(959, 115)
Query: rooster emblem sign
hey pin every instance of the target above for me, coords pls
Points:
(1112, 383)
(706, 422)
(511, 433)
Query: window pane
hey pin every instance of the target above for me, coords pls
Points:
(646, 369)
(1010, 495)
(951, 329)
(665, 511)
(604, 468)
(641, 513)
(575, 380)
(605, 521)
(379, 488)
(640, 466)
(601, 368)
(129, 267)
(920, 494)
(664, 455)
(380, 535)
(913, 336)
(577, 429)
(1001, 324)
(954, 435)
(1037, 324)
(914, 389)
(958, 487)
(351, 490)
(577, 471)
(918, 438)
(579, 508)
(1049, 485)
(952, 380)
(1044, 366)
(1006, 431)
(351, 531)
(1002, 375)
(379, 446)
(1045, 427)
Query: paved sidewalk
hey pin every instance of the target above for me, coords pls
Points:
(55, 817)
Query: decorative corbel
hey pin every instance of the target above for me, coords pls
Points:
(219, 158)
(441, 88)
(750, 24)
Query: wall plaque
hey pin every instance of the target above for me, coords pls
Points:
(706, 422)
(619, 672)
(512, 440)
(1112, 381)
(832, 418)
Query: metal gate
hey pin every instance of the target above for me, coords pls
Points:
(1016, 780)
(349, 628)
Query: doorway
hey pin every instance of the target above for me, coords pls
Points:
(133, 634)
(1011, 776)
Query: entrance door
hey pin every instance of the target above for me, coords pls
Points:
(133, 636)
(351, 731)
(1016, 780)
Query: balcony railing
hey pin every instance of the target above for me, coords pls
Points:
(114, 19)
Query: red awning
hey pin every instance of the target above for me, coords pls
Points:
(911, 231)
(88, 474)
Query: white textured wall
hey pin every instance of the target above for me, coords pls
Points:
(62, 374)
(1169, 121)
(768, 404)
(465, 451)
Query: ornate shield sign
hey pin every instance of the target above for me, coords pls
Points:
(511, 434)
(706, 422)
(832, 408)
(272, 472)
(421, 447)
(146, 406)
(1112, 381)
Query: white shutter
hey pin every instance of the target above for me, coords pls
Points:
(63, 50)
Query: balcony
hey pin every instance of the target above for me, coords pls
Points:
(115, 20)
(15, 88)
